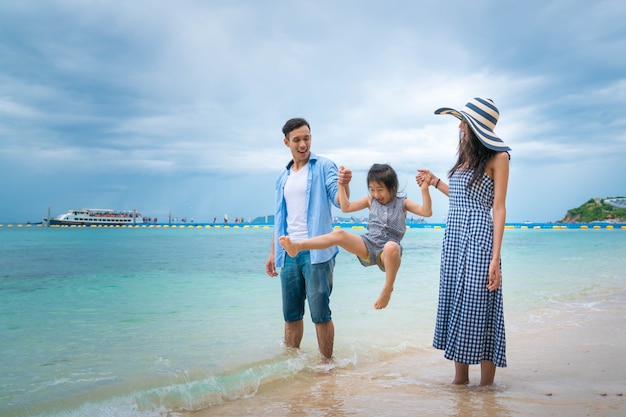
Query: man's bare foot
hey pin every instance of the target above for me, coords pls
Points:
(383, 299)
(289, 246)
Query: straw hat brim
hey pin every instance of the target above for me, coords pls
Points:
(487, 136)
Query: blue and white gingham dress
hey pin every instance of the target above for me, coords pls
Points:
(470, 318)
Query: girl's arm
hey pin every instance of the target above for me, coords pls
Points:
(424, 210)
(499, 171)
(346, 205)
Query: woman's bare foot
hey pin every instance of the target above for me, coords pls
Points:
(461, 374)
(383, 299)
(460, 382)
(289, 246)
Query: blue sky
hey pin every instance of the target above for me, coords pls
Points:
(178, 105)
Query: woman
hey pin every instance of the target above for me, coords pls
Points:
(470, 318)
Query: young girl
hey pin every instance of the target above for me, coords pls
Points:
(386, 226)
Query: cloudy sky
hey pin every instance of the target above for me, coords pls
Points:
(178, 105)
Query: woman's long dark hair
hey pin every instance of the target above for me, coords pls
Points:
(473, 155)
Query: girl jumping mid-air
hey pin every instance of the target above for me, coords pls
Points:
(386, 226)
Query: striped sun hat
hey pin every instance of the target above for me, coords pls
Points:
(482, 116)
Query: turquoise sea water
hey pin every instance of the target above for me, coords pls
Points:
(139, 322)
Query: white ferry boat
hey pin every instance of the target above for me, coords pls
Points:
(88, 217)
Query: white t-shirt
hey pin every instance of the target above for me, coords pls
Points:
(295, 198)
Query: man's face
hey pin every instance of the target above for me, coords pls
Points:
(299, 141)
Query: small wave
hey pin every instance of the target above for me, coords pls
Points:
(239, 383)
(199, 394)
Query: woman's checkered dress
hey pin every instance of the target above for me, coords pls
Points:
(470, 318)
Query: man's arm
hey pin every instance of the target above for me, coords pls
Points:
(344, 176)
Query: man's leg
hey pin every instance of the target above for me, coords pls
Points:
(293, 295)
(319, 285)
(294, 331)
(325, 338)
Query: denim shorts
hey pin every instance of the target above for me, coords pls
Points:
(301, 280)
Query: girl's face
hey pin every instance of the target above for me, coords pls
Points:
(463, 131)
(379, 192)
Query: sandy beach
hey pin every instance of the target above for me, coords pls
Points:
(570, 365)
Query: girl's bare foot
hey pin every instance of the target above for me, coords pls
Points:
(383, 299)
(289, 246)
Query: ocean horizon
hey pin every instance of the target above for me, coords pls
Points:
(343, 224)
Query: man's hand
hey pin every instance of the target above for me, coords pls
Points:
(344, 176)
(270, 267)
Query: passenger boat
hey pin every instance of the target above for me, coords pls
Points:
(88, 217)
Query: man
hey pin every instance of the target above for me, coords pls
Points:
(304, 192)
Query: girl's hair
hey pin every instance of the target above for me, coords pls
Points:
(474, 155)
(384, 174)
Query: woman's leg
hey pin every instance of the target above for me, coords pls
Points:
(487, 373)
(461, 374)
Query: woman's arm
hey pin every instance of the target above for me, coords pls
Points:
(424, 174)
(498, 170)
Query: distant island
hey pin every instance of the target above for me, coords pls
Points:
(611, 209)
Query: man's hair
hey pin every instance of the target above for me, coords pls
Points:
(293, 124)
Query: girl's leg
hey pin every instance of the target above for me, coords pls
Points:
(390, 258)
(350, 242)
(461, 374)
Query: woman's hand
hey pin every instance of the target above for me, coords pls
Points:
(425, 175)
(494, 275)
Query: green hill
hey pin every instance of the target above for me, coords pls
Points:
(594, 210)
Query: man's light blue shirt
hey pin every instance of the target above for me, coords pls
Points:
(321, 192)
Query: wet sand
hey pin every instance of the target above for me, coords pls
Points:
(566, 364)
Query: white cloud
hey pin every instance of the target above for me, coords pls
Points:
(183, 96)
